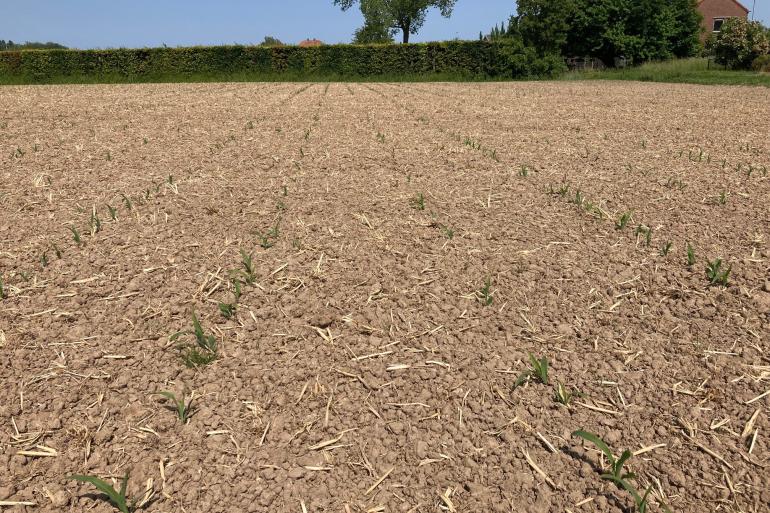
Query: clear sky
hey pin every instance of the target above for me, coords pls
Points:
(139, 23)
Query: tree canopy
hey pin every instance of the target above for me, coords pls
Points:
(408, 16)
(639, 30)
(30, 45)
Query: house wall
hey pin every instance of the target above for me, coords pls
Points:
(715, 9)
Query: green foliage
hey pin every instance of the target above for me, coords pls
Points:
(418, 201)
(715, 274)
(666, 248)
(469, 59)
(485, 293)
(617, 474)
(405, 15)
(690, 255)
(639, 30)
(206, 350)
(271, 41)
(30, 45)
(739, 43)
(538, 369)
(562, 394)
(2, 288)
(227, 310)
(181, 406)
(76, 236)
(623, 221)
(116, 498)
(249, 273)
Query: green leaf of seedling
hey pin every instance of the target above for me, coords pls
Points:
(598, 442)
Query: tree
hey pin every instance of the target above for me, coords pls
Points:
(545, 24)
(408, 16)
(740, 42)
(376, 27)
(271, 41)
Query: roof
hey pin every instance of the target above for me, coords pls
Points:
(311, 42)
(736, 2)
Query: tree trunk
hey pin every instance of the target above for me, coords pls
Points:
(405, 26)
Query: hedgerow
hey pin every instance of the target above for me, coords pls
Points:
(481, 59)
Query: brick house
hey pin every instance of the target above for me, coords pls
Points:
(715, 12)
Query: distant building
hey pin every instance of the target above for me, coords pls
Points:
(715, 12)
(311, 42)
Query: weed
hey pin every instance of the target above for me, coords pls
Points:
(227, 310)
(524, 171)
(485, 293)
(538, 369)
(76, 236)
(666, 248)
(127, 201)
(182, 406)
(690, 255)
(113, 212)
(44, 259)
(116, 498)
(448, 232)
(418, 202)
(623, 221)
(715, 273)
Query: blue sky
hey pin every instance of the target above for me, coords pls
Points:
(138, 23)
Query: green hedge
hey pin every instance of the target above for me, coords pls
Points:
(476, 59)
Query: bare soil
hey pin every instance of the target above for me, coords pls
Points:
(366, 369)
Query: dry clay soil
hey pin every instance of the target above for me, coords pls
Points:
(369, 367)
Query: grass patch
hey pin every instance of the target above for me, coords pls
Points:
(690, 71)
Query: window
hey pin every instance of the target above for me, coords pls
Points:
(718, 24)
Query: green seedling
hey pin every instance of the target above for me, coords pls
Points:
(227, 310)
(722, 200)
(485, 293)
(419, 202)
(2, 288)
(206, 350)
(617, 474)
(249, 272)
(171, 179)
(285, 191)
(538, 370)
(715, 273)
(690, 255)
(381, 137)
(563, 395)
(108, 156)
(578, 198)
(56, 251)
(237, 290)
(76, 235)
(666, 248)
(267, 240)
(307, 133)
(183, 408)
(524, 171)
(621, 223)
(44, 259)
(250, 125)
(280, 206)
(116, 498)
(144, 140)
(113, 212)
(127, 202)
(448, 232)
(95, 222)
(646, 231)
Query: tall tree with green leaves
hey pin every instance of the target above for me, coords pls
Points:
(408, 16)
(545, 24)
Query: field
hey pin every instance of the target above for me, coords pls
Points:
(372, 266)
